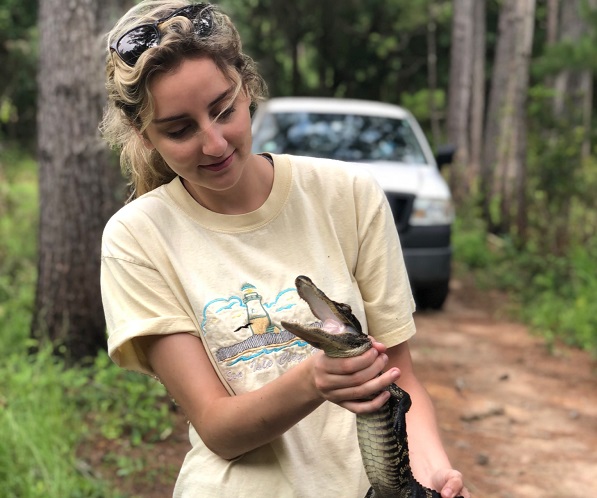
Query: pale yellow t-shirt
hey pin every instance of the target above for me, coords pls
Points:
(169, 265)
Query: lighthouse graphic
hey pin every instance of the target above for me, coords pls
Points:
(257, 317)
(259, 336)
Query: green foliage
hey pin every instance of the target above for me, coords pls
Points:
(374, 49)
(125, 404)
(47, 410)
(18, 231)
(18, 51)
(562, 304)
(419, 104)
(578, 54)
(555, 295)
(470, 244)
(562, 178)
(39, 429)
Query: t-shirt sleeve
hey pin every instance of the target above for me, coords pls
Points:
(137, 302)
(381, 273)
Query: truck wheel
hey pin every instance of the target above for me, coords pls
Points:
(432, 297)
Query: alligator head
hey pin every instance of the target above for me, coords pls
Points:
(340, 333)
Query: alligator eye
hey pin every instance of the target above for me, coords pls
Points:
(344, 308)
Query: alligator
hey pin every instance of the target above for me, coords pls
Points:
(382, 434)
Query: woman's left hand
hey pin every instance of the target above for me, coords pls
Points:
(451, 484)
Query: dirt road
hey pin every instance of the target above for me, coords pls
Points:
(518, 421)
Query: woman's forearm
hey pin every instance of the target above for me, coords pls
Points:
(426, 450)
(233, 425)
(230, 425)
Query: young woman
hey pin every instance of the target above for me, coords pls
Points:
(198, 271)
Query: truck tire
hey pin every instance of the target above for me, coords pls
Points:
(432, 297)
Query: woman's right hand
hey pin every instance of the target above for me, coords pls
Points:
(354, 383)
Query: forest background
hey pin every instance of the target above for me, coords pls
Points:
(509, 83)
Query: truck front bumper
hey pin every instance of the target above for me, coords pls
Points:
(427, 254)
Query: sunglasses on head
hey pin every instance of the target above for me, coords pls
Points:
(134, 42)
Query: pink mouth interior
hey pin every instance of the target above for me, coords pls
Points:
(333, 326)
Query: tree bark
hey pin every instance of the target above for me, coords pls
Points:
(553, 16)
(512, 166)
(461, 57)
(432, 74)
(573, 111)
(574, 87)
(478, 90)
(79, 181)
(505, 135)
(497, 97)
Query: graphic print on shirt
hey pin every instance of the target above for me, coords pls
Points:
(246, 337)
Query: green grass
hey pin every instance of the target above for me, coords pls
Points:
(18, 232)
(40, 425)
(47, 410)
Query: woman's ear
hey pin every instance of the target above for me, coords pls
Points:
(146, 142)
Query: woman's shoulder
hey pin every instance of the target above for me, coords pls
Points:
(138, 206)
(329, 167)
(134, 216)
(333, 175)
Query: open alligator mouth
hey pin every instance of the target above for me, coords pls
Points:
(340, 332)
(382, 434)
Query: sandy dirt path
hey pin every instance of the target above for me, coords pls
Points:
(518, 420)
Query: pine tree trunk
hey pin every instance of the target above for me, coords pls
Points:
(573, 109)
(79, 181)
(461, 57)
(574, 87)
(505, 131)
(432, 75)
(512, 166)
(553, 16)
(478, 90)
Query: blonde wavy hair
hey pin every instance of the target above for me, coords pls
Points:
(130, 106)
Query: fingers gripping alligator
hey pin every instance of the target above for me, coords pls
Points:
(382, 434)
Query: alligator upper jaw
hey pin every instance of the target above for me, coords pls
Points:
(323, 307)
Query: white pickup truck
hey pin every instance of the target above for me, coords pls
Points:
(388, 141)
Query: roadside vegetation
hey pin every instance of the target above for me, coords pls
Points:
(548, 268)
(554, 295)
(48, 412)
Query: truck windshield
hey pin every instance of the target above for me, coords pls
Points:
(339, 136)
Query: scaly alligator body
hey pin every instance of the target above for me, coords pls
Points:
(382, 434)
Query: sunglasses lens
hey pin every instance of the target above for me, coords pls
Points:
(138, 40)
(204, 24)
(202, 18)
(135, 42)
